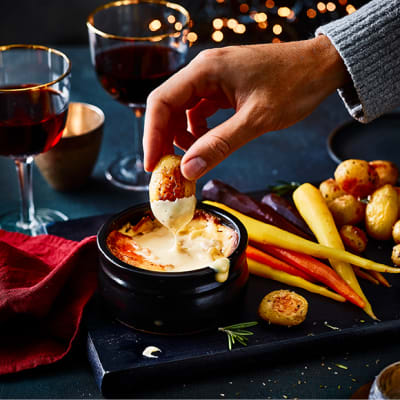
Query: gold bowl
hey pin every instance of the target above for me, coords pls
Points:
(68, 165)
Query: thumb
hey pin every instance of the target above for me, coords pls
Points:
(217, 144)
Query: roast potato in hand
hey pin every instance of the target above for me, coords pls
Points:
(387, 172)
(347, 210)
(283, 307)
(167, 181)
(382, 212)
(356, 177)
(172, 196)
(330, 190)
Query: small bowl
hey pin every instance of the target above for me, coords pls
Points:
(387, 383)
(170, 302)
(68, 165)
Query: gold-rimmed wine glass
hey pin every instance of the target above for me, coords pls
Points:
(34, 95)
(135, 46)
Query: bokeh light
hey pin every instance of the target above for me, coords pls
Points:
(311, 13)
(284, 12)
(232, 22)
(244, 8)
(331, 6)
(270, 4)
(217, 36)
(155, 25)
(321, 7)
(250, 17)
(192, 37)
(260, 17)
(240, 29)
(277, 29)
(350, 9)
(218, 23)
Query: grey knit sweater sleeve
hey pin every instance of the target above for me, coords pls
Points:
(369, 43)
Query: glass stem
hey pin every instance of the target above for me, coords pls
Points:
(27, 209)
(139, 126)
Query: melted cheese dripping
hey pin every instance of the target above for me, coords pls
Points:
(175, 215)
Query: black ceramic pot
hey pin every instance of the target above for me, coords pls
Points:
(170, 302)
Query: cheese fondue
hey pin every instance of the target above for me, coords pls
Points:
(203, 242)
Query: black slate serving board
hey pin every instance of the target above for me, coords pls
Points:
(115, 351)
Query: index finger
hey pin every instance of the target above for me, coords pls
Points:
(166, 112)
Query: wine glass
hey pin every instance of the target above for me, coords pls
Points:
(34, 95)
(136, 45)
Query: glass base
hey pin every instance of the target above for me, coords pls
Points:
(128, 173)
(43, 217)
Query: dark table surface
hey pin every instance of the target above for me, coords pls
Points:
(297, 153)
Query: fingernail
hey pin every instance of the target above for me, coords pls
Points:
(193, 168)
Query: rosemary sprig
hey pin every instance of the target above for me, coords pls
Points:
(283, 188)
(237, 333)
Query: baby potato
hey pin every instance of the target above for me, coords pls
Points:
(354, 238)
(283, 307)
(382, 212)
(330, 190)
(397, 189)
(396, 254)
(167, 181)
(356, 177)
(387, 172)
(347, 210)
(396, 232)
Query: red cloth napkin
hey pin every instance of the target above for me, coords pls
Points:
(45, 282)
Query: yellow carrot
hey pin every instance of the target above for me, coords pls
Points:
(265, 271)
(313, 208)
(265, 233)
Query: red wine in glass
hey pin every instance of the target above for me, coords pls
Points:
(136, 45)
(34, 126)
(130, 72)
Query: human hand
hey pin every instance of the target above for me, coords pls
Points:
(270, 86)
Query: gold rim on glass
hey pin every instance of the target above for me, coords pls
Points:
(38, 47)
(174, 6)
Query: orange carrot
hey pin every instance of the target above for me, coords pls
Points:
(380, 278)
(365, 275)
(275, 263)
(316, 269)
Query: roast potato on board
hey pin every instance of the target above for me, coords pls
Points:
(283, 307)
(387, 172)
(330, 190)
(356, 177)
(354, 238)
(382, 212)
(347, 210)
